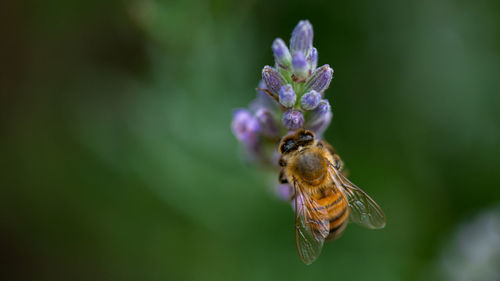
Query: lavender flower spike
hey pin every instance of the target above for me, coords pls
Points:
(293, 119)
(320, 79)
(310, 100)
(300, 66)
(313, 58)
(273, 79)
(287, 96)
(281, 54)
(302, 38)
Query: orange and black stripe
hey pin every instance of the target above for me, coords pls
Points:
(334, 202)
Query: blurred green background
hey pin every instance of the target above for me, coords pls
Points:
(118, 162)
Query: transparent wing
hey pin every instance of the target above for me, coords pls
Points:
(311, 226)
(364, 210)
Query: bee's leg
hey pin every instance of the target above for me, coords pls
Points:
(337, 162)
(328, 146)
(282, 179)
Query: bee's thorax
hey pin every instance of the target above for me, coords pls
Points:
(310, 165)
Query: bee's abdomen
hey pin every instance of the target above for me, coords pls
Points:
(335, 204)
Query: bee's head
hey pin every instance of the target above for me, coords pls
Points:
(293, 142)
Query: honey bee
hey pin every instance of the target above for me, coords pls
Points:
(324, 199)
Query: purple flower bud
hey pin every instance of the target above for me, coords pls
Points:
(313, 58)
(321, 110)
(268, 125)
(284, 192)
(320, 118)
(310, 100)
(281, 54)
(245, 127)
(287, 96)
(300, 65)
(321, 124)
(302, 38)
(320, 79)
(293, 119)
(273, 79)
(323, 107)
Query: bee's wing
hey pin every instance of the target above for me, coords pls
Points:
(311, 226)
(363, 209)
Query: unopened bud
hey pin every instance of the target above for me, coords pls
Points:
(281, 54)
(313, 58)
(320, 79)
(320, 125)
(273, 79)
(302, 38)
(287, 96)
(322, 109)
(245, 127)
(293, 119)
(320, 118)
(300, 66)
(310, 100)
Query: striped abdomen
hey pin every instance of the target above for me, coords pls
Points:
(335, 204)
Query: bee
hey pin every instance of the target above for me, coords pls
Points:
(324, 199)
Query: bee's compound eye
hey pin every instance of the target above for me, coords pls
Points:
(337, 163)
(306, 137)
(287, 146)
(282, 163)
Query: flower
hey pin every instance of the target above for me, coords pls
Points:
(320, 118)
(273, 79)
(313, 58)
(322, 108)
(321, 124)
(287, 96)
(472, 251)
(320, 79)
(302, 38)
(310, 100)
(300, 67)
(290, 96)
(245, 127)
(282, 56)
(293, 119)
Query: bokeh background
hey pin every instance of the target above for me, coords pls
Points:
(118, 162)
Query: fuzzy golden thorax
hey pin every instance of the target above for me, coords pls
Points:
(309, 165)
